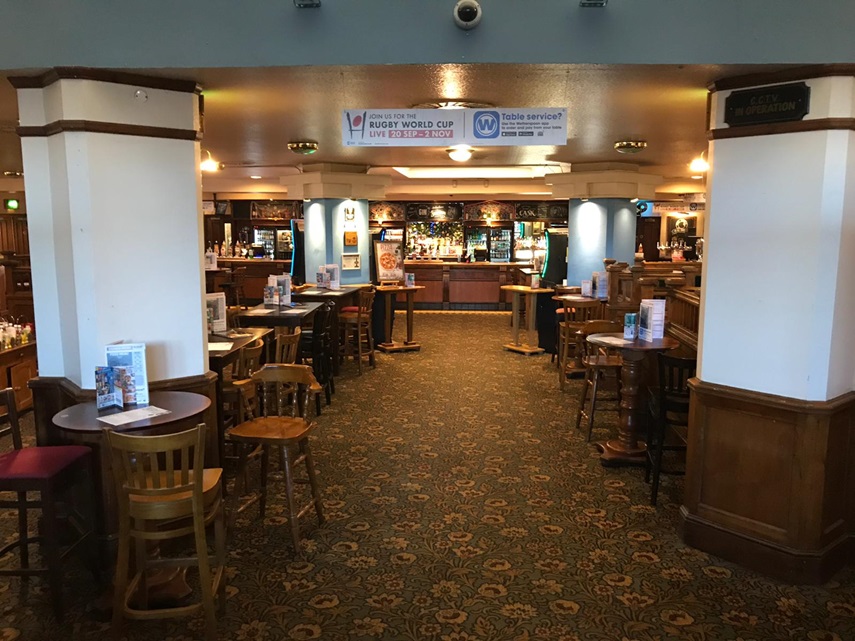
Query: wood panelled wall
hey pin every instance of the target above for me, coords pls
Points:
(13, 234)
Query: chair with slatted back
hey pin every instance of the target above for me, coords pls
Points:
(50, 472)
(164, 492)
(571, 317)
(316, 347)
(248, 361)
(234, 288)
(669, 415)
(287, 346)
(283, 425)
(357, 332)
(602, 366)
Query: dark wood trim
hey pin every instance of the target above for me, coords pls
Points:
(103, 75)
(785, 75)
(94, 126)
(768, 481)
(820, 124)
(780, 562)
(772, 400)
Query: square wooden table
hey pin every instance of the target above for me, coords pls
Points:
(530, 294)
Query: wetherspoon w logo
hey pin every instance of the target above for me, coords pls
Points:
(486, 124)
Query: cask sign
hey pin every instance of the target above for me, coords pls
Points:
(780, 103)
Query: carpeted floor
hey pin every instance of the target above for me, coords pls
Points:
(462, 507)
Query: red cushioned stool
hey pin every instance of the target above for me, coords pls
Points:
(50, 471)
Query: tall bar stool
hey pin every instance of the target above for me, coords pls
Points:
(600, 364)
(669, 411)
(281, 425)
(49, 471)
(572, 317)
(316, 347)
(356, 328)
(165, 492)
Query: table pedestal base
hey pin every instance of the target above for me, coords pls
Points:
(528, 350)
(399, 347)
(613, 454)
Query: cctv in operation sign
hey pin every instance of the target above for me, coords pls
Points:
(443, 127)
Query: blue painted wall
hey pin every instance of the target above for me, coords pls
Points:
(598, 229)
(325, 227)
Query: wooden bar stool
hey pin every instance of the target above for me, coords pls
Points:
(165, 492)
(357, 332)
(571, 318)
(599, 364)
(282, 398)
(49, 471)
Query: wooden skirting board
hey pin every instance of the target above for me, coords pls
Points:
(769, 481)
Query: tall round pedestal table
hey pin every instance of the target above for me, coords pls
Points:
(627, 448)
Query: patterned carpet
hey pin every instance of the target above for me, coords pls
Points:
(462, 507)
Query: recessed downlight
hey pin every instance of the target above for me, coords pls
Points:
(256, 177)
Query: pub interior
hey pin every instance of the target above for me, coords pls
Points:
(284, 358)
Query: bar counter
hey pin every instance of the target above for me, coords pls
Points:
(257, 271)
(462, 286)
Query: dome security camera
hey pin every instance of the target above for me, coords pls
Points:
(467, 14)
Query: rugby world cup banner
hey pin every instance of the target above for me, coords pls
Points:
(445, 127)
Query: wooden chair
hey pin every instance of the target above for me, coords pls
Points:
(248, 361)
(600, 364)
(164, 492)
(356, 330)
(49, 471)
(235, 296)
(283, 425)
(287, 346)
(316, 347)
(669, 414)
(571, 317)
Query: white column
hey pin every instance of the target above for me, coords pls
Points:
(778, 309)
(114, 211)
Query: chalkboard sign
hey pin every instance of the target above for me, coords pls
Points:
(780, 103)
(437, 212)
(385, 211)
(540, 210)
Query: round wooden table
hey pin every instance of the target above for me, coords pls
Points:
(627, 448)
(79, 425)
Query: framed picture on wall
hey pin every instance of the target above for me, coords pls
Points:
(389, 259)
(351, 239)
(350, 261)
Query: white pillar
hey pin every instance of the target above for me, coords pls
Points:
(114, 211)
(778, 296)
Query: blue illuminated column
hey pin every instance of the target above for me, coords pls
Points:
(598, 229)
(335, 209)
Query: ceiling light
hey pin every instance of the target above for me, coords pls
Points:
(633, 200)
(460, 153)
(13, 174)
(630, 146)
(303, 148)
(209, 164)
(522, 171)
(699, 165)
(452, 104)
(698, 177)
(307, 4)
(593, 3)
(256, 177)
